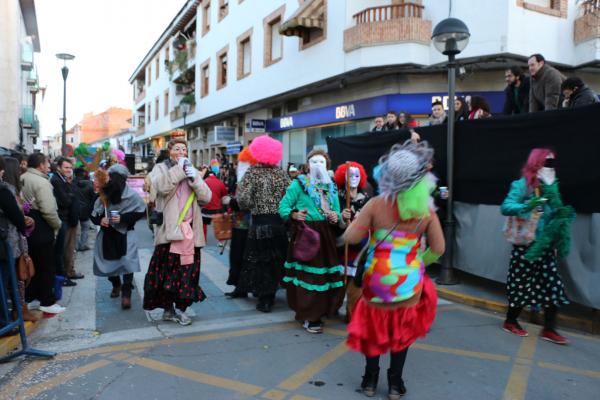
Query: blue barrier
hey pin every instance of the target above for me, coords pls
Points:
(5, 315)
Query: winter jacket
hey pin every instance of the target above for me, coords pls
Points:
(68, 206)
(261, 189)
(37, 189)
(301, 195)
(584, 96)
(166, 179)
(544, 91)
(84, 192)
(517, 98)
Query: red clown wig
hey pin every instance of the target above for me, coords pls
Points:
(535, 162)
(340, 175)
(247, 157)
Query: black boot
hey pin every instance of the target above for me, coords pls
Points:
(396, 388)
(369, 382)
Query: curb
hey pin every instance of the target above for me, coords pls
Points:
(590, 325)
(11, 343)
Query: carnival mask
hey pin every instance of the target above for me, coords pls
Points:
(241, 170)
(318, 170)
(547, 173)
(353, 177)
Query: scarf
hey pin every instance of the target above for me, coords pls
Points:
(184, 247)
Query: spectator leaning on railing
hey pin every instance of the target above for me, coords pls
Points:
(517, 91)
(577, 93)
(544, 93)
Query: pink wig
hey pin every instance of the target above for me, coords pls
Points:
(119, 154)
(535, 162)
(266, 150)
(340, 175)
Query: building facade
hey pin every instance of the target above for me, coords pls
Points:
(303, 70)
(19, 83)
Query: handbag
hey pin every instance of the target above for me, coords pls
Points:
(306, 244)
(521, 231)
(361, 259)
(25, 268)
(222, 225)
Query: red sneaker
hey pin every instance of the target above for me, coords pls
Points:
(515, 329)
(553, 336)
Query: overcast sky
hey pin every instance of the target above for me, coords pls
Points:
(108, 39)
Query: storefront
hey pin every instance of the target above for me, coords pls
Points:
(301, 132)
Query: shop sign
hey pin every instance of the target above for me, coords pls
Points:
(257, 125)
(222, 134)
(233, 148)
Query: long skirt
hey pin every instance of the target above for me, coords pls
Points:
(236, 254)
(315, 288)
(168, 282)
(264, 256)
(374, 331)
(536, 283)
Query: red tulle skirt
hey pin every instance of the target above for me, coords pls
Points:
(375, 331)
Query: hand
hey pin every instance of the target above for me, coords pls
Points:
(414, 136)
(29, 221)
(181, 161)
(332, 217)
(535, 202)
(347, 214)
(104, 222)
(191, 172)
(116, 219)
(300, 215)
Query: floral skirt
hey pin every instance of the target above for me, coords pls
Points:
(374, 331)
(167, 282)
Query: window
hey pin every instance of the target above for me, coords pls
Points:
(206, 17)
(223, 9)
(204, 78)
(556, 8)
(273, 40)
(149, 113)
(244, 54)
(167, 53)
(222, 68)
(149, 74)
(156, 112)
(157, 66)
(166, 105)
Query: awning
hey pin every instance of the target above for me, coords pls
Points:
(309, 15)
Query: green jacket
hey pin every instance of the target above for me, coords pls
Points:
(515, 203)
(297, 198)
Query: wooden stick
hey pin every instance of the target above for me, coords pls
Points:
(347, 206)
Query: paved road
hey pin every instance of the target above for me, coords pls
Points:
(231, 351)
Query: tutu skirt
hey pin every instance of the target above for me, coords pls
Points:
(375, 331)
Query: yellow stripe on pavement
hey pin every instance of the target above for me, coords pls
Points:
(300, 377)
(62, 378)
(577, 371)
(229, 384)
(519, 375)
(464, 353)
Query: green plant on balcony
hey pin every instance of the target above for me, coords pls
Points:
(188, 99)
(179, 62)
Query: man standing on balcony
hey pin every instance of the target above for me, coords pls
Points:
(517, 91)
(544, 93)
(577, 93)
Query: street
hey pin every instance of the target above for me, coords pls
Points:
(231, 351)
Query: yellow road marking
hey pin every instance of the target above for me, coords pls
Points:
(300, 377)
(464, 353)
(336, 332)
(519, 375)
(10, 389)
(119, 356)
(274, 395)
(578, 371)
(300, 397)
(62, 378)
(229, 384)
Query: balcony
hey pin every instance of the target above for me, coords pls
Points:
(587, 26)
(178, 113)
(34, 131)
(140, 95)
(27, 56)
(32, 81)
(398, 23)
(27, 117)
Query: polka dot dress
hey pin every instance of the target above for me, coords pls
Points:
(536, 284)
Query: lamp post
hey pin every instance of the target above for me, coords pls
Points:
(65, 72)
(185, 109)
(450, 37)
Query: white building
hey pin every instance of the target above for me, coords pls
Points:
(19, 84)
(304, 70)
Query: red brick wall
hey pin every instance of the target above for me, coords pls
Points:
(392, 31)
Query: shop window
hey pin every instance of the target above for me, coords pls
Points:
(206, 17)
(244, 55)
(273, 40)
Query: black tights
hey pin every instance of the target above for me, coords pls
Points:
(396, 362)
(549, 316)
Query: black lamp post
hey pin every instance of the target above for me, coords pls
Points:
(65, 72)
(185, 109)
(450, 37)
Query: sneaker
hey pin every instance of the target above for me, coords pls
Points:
(313, 327)
(169, 315)
(76, 276)
(69, 283)
(514, 328)
(53, 309)
(182, 319)
(553, 336)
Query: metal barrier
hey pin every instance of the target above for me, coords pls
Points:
(8, 268)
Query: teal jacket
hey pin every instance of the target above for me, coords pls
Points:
(297, 198)
(515, 203)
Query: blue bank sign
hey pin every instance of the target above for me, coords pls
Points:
(417, 103)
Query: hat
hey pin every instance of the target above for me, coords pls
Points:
(266, 150)
(119, 169)
(292, 168)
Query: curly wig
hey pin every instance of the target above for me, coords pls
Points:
(340, 175)
(246, 157)
(266, 150)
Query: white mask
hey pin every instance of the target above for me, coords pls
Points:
(547, 175)
(354, 177)
(318, 170)
(241, 170)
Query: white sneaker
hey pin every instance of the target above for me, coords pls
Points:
(182, 319)
(53, 309)
(34, 305)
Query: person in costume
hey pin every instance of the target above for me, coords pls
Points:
(172, 280)
(351, 175)
(259, 192)
(219, 195)
(398, 302)
(315, 288)
(115, 250)
(533, 277)
(241, 224)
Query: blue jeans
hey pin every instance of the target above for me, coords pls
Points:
(82, 242)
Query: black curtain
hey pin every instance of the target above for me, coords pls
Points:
(489, 153)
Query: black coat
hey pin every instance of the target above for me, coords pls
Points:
(84, 191)
(583, 96)
(522, 106)
(68, 206)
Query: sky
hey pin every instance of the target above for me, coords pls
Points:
(108, 38)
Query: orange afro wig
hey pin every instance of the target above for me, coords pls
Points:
(340, 175)
(247, 157)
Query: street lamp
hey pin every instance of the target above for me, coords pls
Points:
(185, 109)
(450, 37)
(65, 72)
